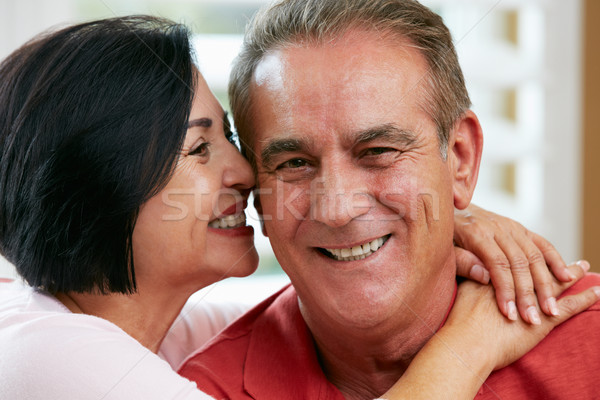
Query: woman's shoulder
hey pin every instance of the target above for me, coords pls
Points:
(25, 312)
(37, 330)
(22, 307)
(48, 352)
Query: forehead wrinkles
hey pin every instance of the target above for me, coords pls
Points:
(350, 67)
(309, 83)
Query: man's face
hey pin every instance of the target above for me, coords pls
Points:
(346, 158)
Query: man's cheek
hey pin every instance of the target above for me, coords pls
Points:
(396, 203)
(281, 203)
(413, 198)
(401, 196)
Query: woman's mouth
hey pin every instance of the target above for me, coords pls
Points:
(229, 222)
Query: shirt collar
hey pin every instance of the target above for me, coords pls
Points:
(282, 358)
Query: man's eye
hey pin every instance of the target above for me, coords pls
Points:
(376, 151)
(202, 150)
(293, 163)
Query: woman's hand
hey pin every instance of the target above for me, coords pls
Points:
(520, 263)
(477, 340)
(475, 320)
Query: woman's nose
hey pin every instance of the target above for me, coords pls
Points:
(238, 172)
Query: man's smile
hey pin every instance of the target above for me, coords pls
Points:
(357, 252)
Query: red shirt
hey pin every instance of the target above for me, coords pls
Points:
(269, 353)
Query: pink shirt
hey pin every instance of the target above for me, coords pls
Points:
(47, 352)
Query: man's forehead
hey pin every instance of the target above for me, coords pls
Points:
(269, 71)
(353, 41)
(300, 86)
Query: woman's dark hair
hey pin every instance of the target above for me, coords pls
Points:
(92, 118)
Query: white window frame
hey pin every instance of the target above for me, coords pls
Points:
(553, 163)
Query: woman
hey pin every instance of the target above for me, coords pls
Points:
(121, 194)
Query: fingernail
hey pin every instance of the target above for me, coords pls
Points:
(486, 275)
(479, 274)
(512, 311)
(552, 306)
(534, 316)
(585, 266)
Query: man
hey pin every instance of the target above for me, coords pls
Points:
(356, 118)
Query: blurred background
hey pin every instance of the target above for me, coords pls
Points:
(532, 71)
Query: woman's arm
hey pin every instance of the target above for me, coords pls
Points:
(477, 340)
(520, 263)
(197, 323)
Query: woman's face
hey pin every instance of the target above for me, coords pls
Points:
(194, 231)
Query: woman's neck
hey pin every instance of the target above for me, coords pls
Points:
(145, 315)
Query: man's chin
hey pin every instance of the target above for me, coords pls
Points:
(361, 308)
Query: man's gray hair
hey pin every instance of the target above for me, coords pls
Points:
(312, 22)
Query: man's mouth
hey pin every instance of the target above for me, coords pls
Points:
(229, 222)
(357, 252)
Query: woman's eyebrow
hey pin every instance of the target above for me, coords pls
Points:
(201, 122)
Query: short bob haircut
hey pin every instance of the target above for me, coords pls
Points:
(92, 119)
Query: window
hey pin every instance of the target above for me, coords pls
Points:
(521, 63)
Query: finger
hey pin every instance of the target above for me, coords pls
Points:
(552, 257)
(578, 269)
(574, 304)
(544, 284)
(499, 268)
(479, 238)
(468, 265)
(542, 278)
(521, 273)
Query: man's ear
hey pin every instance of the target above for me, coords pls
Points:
(259, 210)
(464, 152)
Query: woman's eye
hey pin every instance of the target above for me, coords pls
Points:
(293, 163)
(202, 150)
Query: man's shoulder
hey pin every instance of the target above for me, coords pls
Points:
(562, 366)
(576, 333)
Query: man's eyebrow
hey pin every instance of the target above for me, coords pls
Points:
(201, 122)
(276, 147)
(388, 132)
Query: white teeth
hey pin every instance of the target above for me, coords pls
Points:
(358, 252)
(230, 221)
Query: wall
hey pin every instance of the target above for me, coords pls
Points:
(591, 140)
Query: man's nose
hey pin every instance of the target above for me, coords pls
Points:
(338, 198)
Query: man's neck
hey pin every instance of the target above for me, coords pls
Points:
(365, 363)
